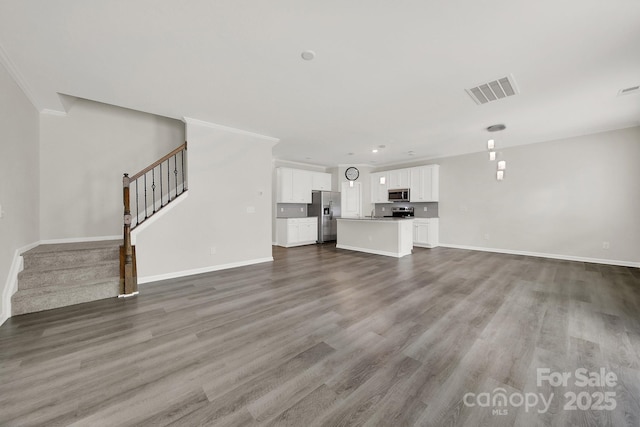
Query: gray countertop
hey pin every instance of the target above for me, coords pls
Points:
(377, 218)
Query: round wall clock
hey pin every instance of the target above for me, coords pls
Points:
(352, 173)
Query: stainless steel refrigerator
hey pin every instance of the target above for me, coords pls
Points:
(326, 206)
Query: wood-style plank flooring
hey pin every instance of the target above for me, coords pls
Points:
(326, 337)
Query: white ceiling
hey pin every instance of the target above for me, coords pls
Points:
(386, 72)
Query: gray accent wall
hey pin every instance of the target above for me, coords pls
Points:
(19, 180)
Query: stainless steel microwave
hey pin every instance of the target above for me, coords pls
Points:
(401, 195)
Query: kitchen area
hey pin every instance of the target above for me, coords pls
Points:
(384, 212)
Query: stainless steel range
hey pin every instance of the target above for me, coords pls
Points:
(402, 212)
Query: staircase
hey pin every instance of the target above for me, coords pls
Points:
(59, 275)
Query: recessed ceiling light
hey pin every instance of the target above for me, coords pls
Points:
(411, 153)
(629, 90)
(381, 146)
(349, 154)
(375, 150)
(496, 128)
(308, 55)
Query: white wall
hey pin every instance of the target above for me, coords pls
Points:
(83, 156)
(228, 207)
(564, 197)
(19, 180)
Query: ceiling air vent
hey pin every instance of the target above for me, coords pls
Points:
(494, 90)
(629, 90)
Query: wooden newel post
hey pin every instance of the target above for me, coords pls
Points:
(128, 273)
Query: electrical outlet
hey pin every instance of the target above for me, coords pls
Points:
(301, 209)
(251, 209)
(605, 245)
(486, 236)
(425, 208)
(213, 250)
(383, 209)
(281, 209)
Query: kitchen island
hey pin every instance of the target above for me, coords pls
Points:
(381, 236)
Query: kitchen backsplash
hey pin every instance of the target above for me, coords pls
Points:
(291, 210)
(432, 209)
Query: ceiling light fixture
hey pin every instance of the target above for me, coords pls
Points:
(375, 150)
(491, 144)
(308, 55)
(492, 155)
(496, 128)
(502, 165)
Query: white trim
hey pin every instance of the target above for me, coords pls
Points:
(128, 295)
(79, 239)
(11, 285)
(17, 77)
(155, 217)
(373, 251)
(424, 245)
(275, 160)
(177, 274)
(545, 255)
(51, 112)
(197, 122)
(293, 245)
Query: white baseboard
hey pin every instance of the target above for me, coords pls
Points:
(79, 239)
(11, 285)
(373, 251)
(174, 275)
(545, 255)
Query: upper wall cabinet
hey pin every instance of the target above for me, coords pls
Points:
(380, 187)
(399, 178)
(321, 181)
(295, 185)
(425, 183)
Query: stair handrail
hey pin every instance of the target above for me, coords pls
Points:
(128, 270)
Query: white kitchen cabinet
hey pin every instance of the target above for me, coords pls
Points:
(320, 181)
(425, 182)
(293, 185)
(296, 231)
(351, 200)
(302, 186)
(399, 178)
(426, 232)
(380, 187)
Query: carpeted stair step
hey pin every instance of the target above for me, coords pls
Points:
(58, 275)
(61, 254)
(68, 276)
(46, 298)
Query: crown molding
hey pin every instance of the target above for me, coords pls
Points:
(19, 79)
(294, 163)
(51, 112)
(210, 125)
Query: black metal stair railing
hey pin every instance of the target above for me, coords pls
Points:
(152, 190)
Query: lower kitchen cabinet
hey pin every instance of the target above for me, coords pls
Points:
(425, 232)
(296, 231)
